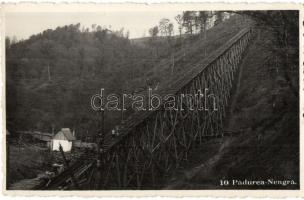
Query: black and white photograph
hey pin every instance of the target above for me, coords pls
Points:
(152, 99)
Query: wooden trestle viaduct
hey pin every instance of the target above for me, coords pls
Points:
(152, 145)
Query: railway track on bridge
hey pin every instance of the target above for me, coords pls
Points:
(152, 145)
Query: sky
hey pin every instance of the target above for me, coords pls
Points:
(23, 25)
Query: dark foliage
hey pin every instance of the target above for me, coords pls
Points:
(52, 75)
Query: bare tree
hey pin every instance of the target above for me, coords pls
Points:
(153, 31)
(163, 26)
(219, 17)
(179, 20)
(153, 40)
(171, 29)
(203, 19)
(189, 21)
(46, 52)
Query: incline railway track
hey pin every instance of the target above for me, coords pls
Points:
(80, 169)
(177, 85)
(151, 146)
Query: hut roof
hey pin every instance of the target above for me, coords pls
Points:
(64, 134)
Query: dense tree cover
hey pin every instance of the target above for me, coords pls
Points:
(189, 22)
(91, 53)
(51, 76)
(284, 25)
(194, 22)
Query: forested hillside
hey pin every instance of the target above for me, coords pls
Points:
(52, 75)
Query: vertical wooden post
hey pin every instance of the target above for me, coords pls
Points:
(122, 109)
(49, 73)
(74, 181)
(117, 166)
(173, 65)
(153, 175)
(100, 139)
(19, 142)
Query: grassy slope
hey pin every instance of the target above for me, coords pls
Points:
(194, 50)
(266, 112)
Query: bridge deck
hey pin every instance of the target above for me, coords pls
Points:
(178, 83)
(155, 143)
